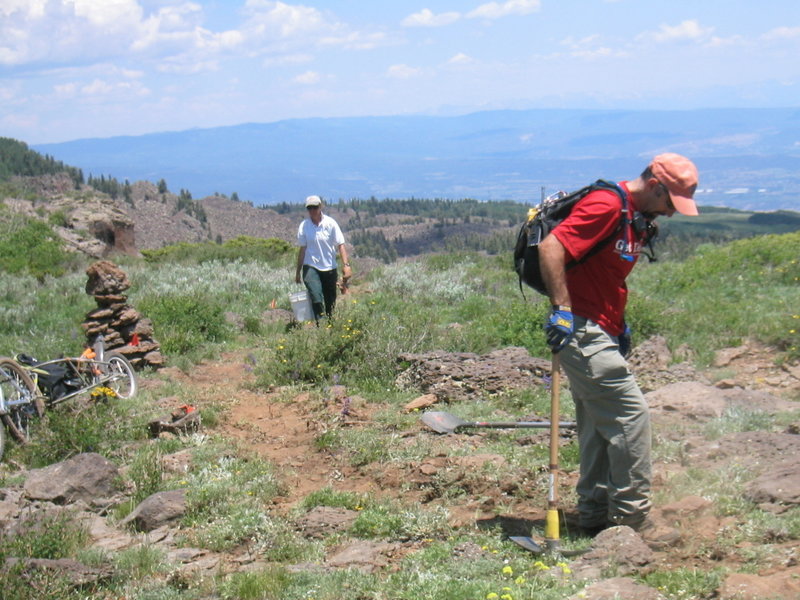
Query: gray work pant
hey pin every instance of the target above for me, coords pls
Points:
(613, 429)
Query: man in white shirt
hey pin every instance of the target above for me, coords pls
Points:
(319, 238)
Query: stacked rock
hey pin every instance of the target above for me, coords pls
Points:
(121, 326)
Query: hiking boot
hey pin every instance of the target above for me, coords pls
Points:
(657, 535)
(591, 531)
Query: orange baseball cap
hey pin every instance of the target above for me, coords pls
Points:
(679, 175)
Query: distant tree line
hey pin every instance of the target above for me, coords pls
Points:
(368, 211)
(17, 159)
(374, 244)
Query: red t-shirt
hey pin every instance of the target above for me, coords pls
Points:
(597, 286)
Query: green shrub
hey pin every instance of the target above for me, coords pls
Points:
(240, 248)
(183, 323)
(30, 246)
(360, 343)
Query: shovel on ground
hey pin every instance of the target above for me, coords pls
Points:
(442, 422)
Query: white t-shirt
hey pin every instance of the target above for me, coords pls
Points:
(321, 242)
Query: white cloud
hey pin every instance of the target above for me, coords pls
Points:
(354, 40)
(496, 10)
(66, 90)
(287, 59)
(686, 30)
(426, 18)
(114, 14)
(402, 72)
(279, 20)
(187, 65)
(589, 48)
(782, 33)
(460, 59)
(307, 78)
(32, 8)
(103, 88)
(64, 31)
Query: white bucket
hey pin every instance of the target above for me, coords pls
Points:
(301, 306)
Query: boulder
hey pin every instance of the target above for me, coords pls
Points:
(616, 588)
(157, 510)
(618, 548)
(88, 477)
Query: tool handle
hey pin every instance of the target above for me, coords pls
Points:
(551, 532)
(555, 395)
(516, 424)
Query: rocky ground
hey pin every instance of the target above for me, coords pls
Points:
(682, 402)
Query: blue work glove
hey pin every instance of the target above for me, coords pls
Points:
(624, 341)
(559, 327)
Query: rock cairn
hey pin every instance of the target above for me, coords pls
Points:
(122, 327)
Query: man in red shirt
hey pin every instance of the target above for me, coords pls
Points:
(587, 328)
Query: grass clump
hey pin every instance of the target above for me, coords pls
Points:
(336, 499)
(49, 535)
(684, 583)
(226, 499)
(271, 583)
(75, 427)
(389, 520)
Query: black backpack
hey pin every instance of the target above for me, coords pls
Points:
(543, 218)
(53, 379)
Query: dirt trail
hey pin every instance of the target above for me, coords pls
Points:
(282, 431)
(286, 431)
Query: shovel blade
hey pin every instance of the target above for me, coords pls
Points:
(528, 543)
(442, 422)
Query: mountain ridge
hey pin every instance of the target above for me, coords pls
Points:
(748, 158)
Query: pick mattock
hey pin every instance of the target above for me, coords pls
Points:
(551, 528)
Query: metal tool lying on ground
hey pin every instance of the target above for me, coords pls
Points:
(442, 422)
(552, 541)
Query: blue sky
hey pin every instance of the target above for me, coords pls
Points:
(72, 69)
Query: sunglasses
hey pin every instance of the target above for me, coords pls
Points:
(312, 207)
(664, 189)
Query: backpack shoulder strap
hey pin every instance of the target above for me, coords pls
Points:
(602, 184)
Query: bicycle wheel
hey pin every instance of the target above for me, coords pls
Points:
(21, 398)
(119, 372)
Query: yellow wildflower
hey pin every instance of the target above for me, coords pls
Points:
(508, 570)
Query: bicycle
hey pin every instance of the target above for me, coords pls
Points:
(63, 378)
(19, 402)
